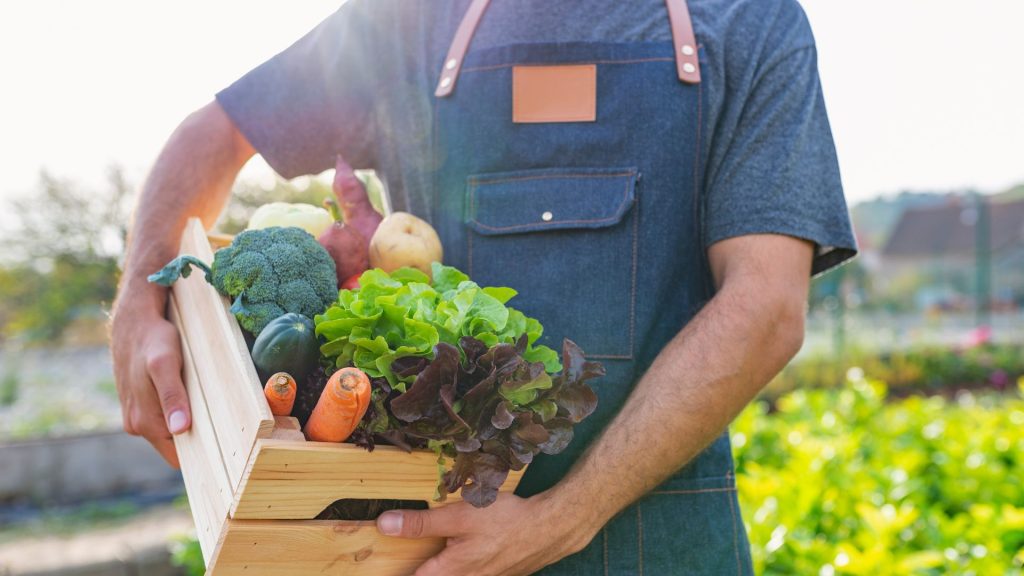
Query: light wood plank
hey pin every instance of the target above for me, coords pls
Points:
(238, 410)
(287, 428)
(219, 240)
(297, 548)
(297, 480)
(206, 479)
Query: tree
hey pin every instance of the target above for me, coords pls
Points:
(62, 259)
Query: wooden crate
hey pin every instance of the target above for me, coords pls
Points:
(254, 484)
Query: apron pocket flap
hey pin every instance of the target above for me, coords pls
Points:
(549, 199)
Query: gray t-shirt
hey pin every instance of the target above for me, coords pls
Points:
(361, 84)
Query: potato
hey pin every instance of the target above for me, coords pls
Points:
(401, 240)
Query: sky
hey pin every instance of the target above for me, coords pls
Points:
(922, 94)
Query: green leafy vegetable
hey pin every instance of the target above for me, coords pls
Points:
(268, 272)
(403, 314)
(494, 411)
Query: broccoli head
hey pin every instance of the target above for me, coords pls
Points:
(268, 272)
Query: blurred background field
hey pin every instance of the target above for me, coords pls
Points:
(893, 444)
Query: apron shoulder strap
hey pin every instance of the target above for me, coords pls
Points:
(683, 39)
(457, 51)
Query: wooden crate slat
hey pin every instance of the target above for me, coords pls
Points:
(287, 428)
(206, 479)
(276, 548)
(238, 411)
(293, 480)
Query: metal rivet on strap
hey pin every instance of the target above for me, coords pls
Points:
(689, 68)
(450, 65)
(687, 49)
(547, 216)
(446, 81)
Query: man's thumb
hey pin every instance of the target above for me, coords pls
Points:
(165, 372)
(412, 523)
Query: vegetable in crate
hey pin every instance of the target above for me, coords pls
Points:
(405, 240)
(494, 411)
(346, 246)
(287, 344)
(406, 313)
(457, 370)
(280, 393)
(268, 272)
(342, 405)
(348, 238)
(312, 219)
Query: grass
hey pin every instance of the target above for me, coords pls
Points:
(63, 521)
(9, 385)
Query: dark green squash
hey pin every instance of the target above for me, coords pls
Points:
(287, 344)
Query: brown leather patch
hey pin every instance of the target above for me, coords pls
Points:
(554, 93)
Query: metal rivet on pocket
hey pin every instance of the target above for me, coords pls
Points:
(451, 64)
(689, 68)
(687, 49)
(446, 82)
(547, 216)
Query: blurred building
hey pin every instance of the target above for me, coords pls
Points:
(954, 253)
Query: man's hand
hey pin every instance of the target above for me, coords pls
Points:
(696, 385)
(512, 536)
(147, 368)
(192, 177)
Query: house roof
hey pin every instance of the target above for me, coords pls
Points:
(949, 229)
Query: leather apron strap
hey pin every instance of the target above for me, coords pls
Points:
(685, 42)
(683, 38)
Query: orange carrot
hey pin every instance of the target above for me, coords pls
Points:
(280, 393)
(341, 406)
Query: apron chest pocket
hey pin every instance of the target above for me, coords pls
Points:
(566, 240)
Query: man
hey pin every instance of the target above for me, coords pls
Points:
(658, 181)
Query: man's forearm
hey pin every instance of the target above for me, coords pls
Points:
(191, 177)
(699, 382)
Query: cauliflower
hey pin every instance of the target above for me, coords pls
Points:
(268, 272)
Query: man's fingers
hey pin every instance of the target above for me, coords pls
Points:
(435, 566)
(440, 522)
(164, 367)
(165, 446)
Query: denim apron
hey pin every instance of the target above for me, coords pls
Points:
(597, 225)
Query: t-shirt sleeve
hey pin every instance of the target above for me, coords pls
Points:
(313, 101)
(773, 170)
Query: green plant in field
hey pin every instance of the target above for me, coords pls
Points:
(187, 555)
(64, 521)
(9, 388)
(107, 386)
(841, 482)
(915, 370)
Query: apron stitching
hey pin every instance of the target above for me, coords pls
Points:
(697, 196)
(469, 235)
(700, 199)
(469, 252)
(544, 225)
(604, 532)
(640, 540)
(474, 186)
(618, 214)
(735, 536)
(485, 180)
(509, 65)
(435, 160)
(695, 491)
(632, 299)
